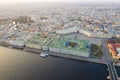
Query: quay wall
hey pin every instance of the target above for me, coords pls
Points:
(55, 53)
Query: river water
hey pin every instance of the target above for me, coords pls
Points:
(118, 70)
(21, 65)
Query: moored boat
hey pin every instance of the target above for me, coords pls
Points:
(44, 55)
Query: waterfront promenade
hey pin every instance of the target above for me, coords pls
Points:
(95, 60)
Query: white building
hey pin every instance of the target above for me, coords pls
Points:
(68, 30)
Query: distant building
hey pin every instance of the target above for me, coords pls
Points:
(68, 30)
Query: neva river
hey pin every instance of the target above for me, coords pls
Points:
(21, 65)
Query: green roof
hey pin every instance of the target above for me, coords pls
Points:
(38, 40)
(59, 43)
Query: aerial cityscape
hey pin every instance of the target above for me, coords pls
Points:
(59, 40)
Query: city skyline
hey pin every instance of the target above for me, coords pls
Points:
(24, 1)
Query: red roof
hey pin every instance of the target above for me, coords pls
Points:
(113, 48)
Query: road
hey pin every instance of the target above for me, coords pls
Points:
(109, 61)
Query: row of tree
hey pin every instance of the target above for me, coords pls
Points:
(96, 51)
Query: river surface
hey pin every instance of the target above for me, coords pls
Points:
(21, 65)
(118, 70)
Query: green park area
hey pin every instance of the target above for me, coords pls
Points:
(72, 46)
(96, 51)
(23, 19)
(3, 21)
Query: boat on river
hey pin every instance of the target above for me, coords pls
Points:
(44, 55)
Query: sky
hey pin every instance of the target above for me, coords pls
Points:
(19, 1)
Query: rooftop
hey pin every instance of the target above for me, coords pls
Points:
(38, 40)
(71, 44)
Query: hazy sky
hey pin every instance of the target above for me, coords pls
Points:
(18, 1)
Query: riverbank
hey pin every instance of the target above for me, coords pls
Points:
(38, 51)
(58, 54)
(100, 61)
